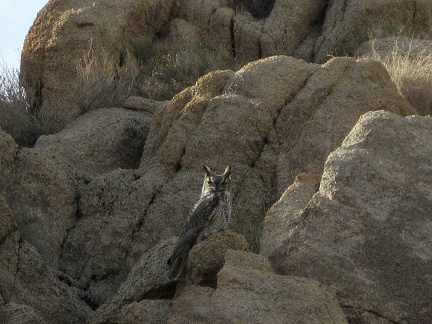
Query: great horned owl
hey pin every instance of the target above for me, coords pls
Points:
(210, 214)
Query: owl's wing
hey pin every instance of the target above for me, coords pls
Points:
(198, 220)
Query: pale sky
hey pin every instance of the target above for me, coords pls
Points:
(16, 17)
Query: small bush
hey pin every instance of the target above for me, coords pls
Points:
(17, 115)
(166, 70)
(410, 68)
(103, 82)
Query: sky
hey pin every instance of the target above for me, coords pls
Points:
(16, 17)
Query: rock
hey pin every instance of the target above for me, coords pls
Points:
(208, 257)
(8, 152)
(8, 149)
(260, 119)
(29, 289)
(6, 220)
(44, 202)
(17, 123)
(349, 24)
(112, 208)
(274, 130)
(143, 295)
(247, 30)
(13, 313)
(366, 233)
(72, 28)
(142, 104)
(283, 215)
(246, 294)
(301, 22)
(99, 141)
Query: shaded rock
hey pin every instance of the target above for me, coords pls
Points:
(44, 202)
(144, 294)
(300, 21)
(366, 233)
(17, 123)
(142, 104)
(30, 291)
(112, 208)
(146, 311)
(350, 23)
(147, 286)
(245, 294)
(99, 141)
(71, 28)
(8, 149)
(208, 257)
(13, 313)
(282, 216)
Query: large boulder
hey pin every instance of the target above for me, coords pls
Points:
(44, 201)
(99, 141)
(64, 32)
(281, 218)
(366, 232)
(248, 291)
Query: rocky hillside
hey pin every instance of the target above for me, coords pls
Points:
(66, 31)
(332, 177)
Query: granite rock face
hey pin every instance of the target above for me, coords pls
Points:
(366, 232)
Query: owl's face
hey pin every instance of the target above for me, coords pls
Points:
(216, 183)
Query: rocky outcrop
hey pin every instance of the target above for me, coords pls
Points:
(248, 291)
(366, 232)
(248, 30)
(99, 142)
(272, 120)
(65, 31)
(269, 129)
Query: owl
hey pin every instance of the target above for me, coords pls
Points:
(210, 214)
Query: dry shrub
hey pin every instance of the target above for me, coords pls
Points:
(103, 81)
(410, 68)
(166, 69)
(17, 115)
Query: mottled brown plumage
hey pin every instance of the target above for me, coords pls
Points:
(210, 214)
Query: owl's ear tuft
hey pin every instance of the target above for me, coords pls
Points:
(228, 171)
(207, 170)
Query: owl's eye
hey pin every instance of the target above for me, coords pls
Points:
(209, 180)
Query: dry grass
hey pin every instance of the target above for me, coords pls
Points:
(167, 69)
(103, 81)
(410, 68)
(17, 117)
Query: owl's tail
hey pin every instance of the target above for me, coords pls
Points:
(178, 260)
